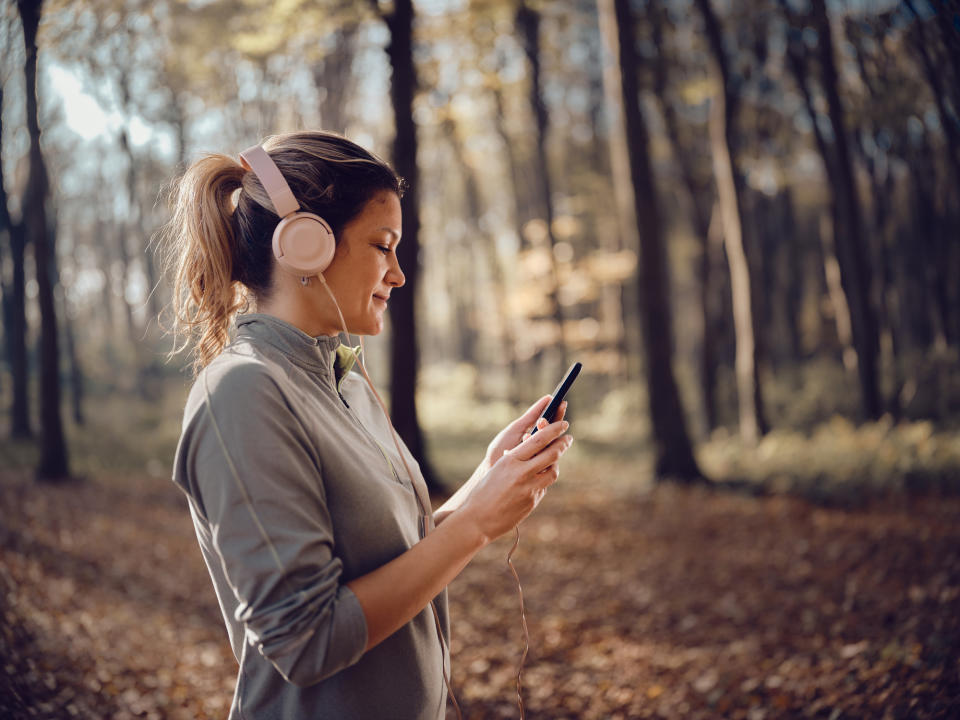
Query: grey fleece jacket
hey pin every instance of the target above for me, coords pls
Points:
(293, 485)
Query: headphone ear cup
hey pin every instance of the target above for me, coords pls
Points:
(303, 244)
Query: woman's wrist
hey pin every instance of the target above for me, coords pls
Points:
(464, 523)
(460, 496)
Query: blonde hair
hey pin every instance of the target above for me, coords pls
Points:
(218, 243)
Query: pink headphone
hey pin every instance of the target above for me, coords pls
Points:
(303, 243)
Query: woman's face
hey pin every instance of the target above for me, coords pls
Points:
(365, 269)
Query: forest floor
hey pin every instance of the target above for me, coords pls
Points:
(665, 601)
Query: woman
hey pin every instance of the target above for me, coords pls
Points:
(329, 569)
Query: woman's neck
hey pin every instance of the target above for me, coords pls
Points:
(307, 308)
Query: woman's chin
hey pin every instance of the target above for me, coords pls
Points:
(373, 326)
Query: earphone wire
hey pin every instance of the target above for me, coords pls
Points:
(523, 623)
(423, 511)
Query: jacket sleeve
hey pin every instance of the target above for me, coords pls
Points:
(255, 477)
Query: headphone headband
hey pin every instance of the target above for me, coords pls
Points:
(259, 162)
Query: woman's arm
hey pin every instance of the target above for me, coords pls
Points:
(250, 472)
(394, 593)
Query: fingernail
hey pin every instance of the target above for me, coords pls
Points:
(565, 425)
(542, 423)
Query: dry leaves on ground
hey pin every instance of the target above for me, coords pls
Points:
(677, 603)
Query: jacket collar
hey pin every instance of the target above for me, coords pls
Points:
(321, 353)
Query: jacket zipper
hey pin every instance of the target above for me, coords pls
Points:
(393, 470)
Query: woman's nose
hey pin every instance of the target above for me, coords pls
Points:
(395, 276)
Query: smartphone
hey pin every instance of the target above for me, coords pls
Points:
(558, 394)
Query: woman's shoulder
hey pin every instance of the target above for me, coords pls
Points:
(234, 380)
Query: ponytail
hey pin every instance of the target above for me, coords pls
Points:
(201, 243)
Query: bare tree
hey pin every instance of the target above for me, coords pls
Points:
(725, 143)
(482, 246)
(528, 26)
(936, 72)
(849, 242)
(332, 76)
(674, 453)
(54, 463)
(701, 200)
(14, 312)
(940, 60)
(404, 349)
(852, 252)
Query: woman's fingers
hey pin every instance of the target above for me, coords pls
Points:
(546, 478)
(548, 456)
(561, 412)
(534, 444)
(538, 496)
(526, 420)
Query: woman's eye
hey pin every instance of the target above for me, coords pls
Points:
(385, 249)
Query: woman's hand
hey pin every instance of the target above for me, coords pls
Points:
(514, 433)
(517, 481)
(506, 440)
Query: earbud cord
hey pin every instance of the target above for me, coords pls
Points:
(523, 623)
(423, 511)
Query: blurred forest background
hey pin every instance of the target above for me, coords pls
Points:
(742, 216)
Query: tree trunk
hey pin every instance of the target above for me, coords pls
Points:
(850, 242)
(827, 225)
(723, 112)
(106, 318)
(15, 316)
(674, 454)
(123, 255)
(513, 166)
(53, 464)
(518, 383)
(947, 18)
(332, 75)
(404, 350)
(838, 298)
(528, 24)
(76, 372)
(486, 249)
(137, 221)
(882, 186)
(743, 320)
(717, 313)
(934, 76)
(700, 200)
(793, 293)
(621, 188)
(73, 357)
(927, 229)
